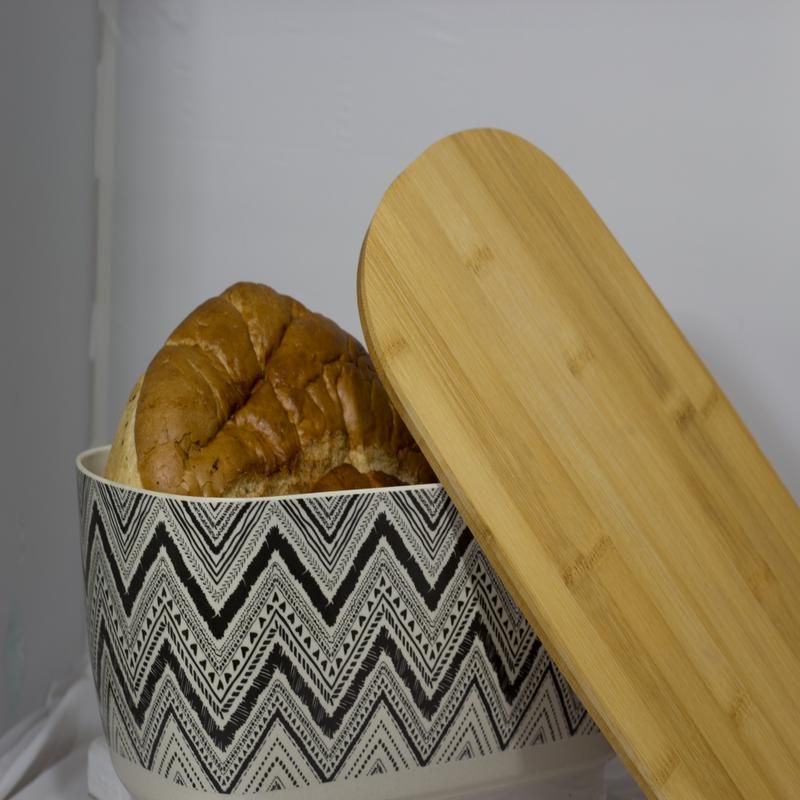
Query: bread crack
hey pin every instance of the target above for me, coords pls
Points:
(263, 401)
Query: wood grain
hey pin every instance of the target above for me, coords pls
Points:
(604, 472)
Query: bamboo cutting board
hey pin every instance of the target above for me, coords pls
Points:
(605, 474)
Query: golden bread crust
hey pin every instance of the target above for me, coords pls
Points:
(346, 476)
(254, 395)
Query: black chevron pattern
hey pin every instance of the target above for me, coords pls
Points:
(248, 645)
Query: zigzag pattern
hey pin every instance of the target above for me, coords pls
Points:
(289, 641)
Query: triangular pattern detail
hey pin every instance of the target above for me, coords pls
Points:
(283, 642)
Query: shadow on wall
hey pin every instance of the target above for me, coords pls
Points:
(47, 93)
(12, 661)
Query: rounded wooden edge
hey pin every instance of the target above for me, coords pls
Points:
(462, 503)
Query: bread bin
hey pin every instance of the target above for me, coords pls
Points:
(314, 645)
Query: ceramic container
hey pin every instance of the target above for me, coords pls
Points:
(316, 645)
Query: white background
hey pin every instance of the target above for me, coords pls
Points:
(253, 139)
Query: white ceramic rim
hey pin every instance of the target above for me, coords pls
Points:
(94, 451)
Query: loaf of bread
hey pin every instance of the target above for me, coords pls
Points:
(254, 395)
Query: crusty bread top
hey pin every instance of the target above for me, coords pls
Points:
(252, 395)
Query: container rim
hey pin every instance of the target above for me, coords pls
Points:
(85, 455)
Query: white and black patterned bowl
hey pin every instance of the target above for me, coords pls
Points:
(241, 646)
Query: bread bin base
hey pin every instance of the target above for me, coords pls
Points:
(514, 773)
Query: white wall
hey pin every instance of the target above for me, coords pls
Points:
(254, 140)
(47, 83)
